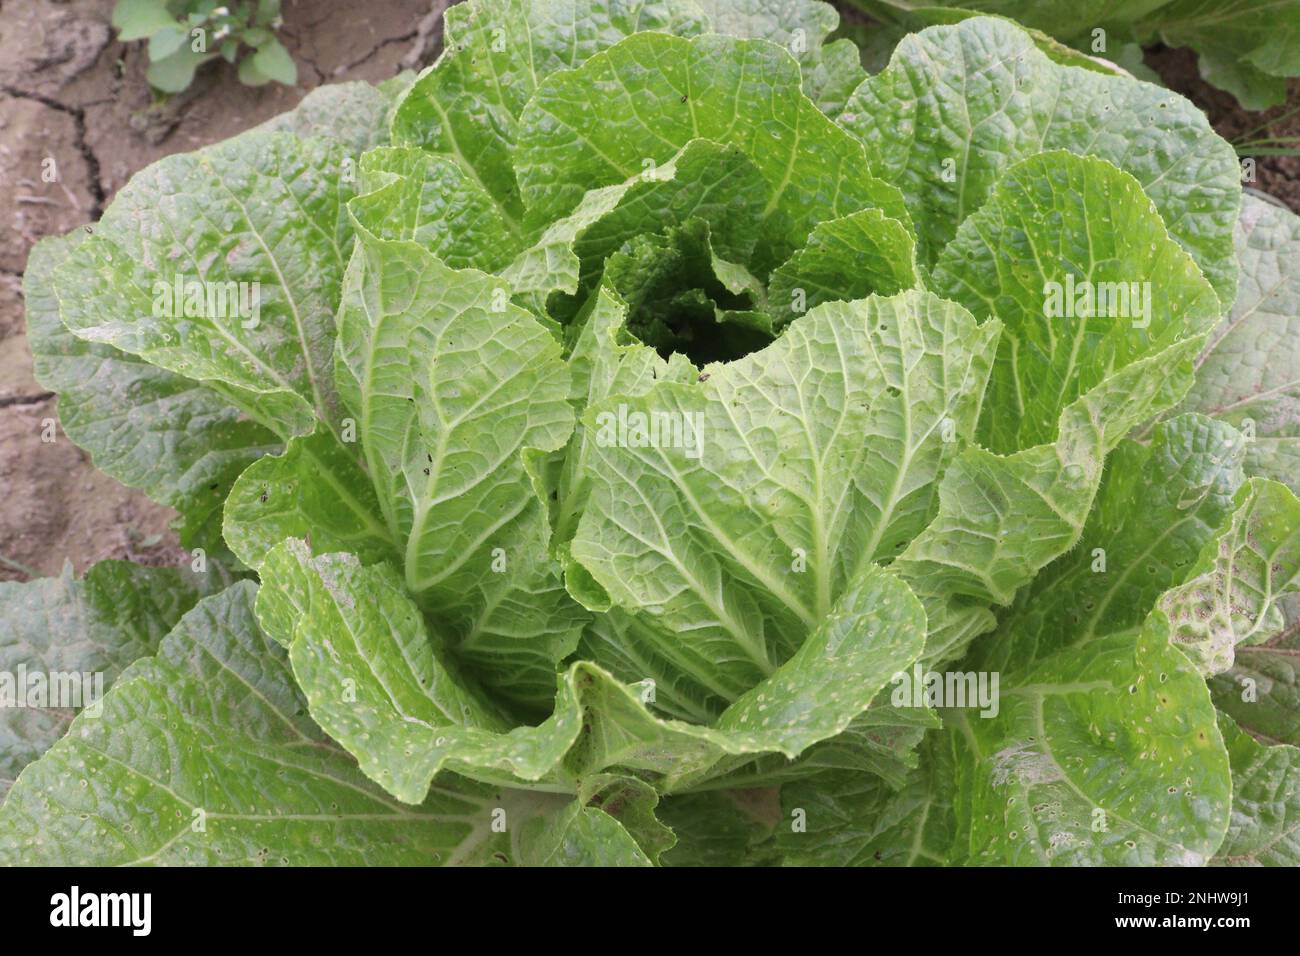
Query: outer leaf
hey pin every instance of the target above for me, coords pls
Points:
(177, 440)
(820, 452)
(1250, 369)
(354, 115)
(93, 627)
(1158, 506)
(1262, 691)
(830, 71)
(1052, 221)
(980, 96)
(1230, 597)
(429, 199)
(203, 754)
(263, 207)
(1265, 803)
(649, 95)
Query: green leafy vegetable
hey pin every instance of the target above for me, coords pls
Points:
(656, 441)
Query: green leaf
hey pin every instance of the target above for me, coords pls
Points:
(1157, 507)
(854, 819)
(719, 828)
(355, 115)
(180, 442)
(848, 258)
(380, 682)
(86, 631)
(176, 72)
(204, 755)
(715, 184)
(791, 470)
(140, 19)
(496, 52)
(316, 489)
(959, 104)
(1070, 254)
(1262, 691)
(271, 62)
(450, 383)
(1249, 373)
(264, 208)
(167, 41)
(1002, 519)
(1230, 596)
(655, 94)
(408, 193)
(1265, 802)
(830, 71)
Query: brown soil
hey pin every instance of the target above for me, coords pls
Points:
(77, 120)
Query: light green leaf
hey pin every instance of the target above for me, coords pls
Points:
(449, 384)
(496, 52)
(1265, 802)
(651, 94)
(959, 104)
(174, 73)
(1158, 506)
(791, 470)
(355, 115)
(205, 755)
(715, 184)
(140, 19)
(1231, 595)
(78, 635)
(830, 71)
(315, 490)
(264, 208)
(271, 62)
(178, 441)
(1249, 373)
(377, 679)
(845, 259)
(1070, 254)
(427, 198)
(1002, 519)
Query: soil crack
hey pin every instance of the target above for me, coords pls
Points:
(78, 114)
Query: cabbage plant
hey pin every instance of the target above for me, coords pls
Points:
(644, 437)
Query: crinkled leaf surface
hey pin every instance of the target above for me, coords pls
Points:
(1265, 825)
(205, 754)
(93, 627)
(177, 440)
(1250, 369)
(806, 461)
(959, 104)
(646, 97)
(1074, 259)
(496, 52)
(375, 678)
